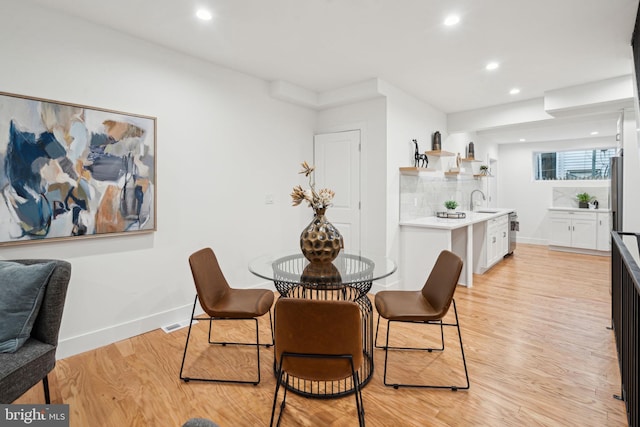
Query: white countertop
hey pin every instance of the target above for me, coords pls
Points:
(556, 208)
(450, 223)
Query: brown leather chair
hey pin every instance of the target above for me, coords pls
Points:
(220, 301)
(317, 340)
(427, 306)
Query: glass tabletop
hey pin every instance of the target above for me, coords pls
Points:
(346, 269)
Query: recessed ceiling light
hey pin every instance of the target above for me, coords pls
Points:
(451, 20)
(492, 65)
(522, 140)
(514, 91)
(595, 132)
(204, 14)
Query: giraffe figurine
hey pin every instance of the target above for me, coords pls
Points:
(420, 160)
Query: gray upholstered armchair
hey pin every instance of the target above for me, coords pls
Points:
(32, 362)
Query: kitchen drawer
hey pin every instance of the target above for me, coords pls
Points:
(499, 221)
(573, 215)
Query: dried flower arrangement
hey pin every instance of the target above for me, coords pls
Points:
(316, 200)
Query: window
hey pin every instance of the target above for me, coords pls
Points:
(576, 164)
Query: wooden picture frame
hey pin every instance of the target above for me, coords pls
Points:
(70, 171)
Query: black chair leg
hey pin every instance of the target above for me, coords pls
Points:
(442, 324)
(211, 319)
(186, 344)
(358, 393)
(45, 384)
(375, 341)
(429, 349)
(464, 360)
(357, 387)
(273, 340)
(279, 380)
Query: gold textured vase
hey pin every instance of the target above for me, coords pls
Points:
(321, 275)
(320, 241)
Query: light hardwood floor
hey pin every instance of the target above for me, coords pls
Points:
(535, 336)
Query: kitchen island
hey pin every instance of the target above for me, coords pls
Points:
(422, 240)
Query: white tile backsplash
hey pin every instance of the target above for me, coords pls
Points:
(565, 197)
(422, 196)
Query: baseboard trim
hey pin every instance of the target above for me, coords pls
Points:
(579, 250)
(388, 286)
(531, 241)
(91, 340)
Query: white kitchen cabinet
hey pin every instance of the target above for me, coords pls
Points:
(497, 240)
(422, 240)
(604, 231)
(573, 229)
(560, 230)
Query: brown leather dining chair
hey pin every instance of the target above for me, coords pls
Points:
(427, 306)
(221, 302)
(317, 340)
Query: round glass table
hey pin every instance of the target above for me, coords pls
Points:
(349, 277)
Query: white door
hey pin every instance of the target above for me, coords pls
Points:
(337, 162)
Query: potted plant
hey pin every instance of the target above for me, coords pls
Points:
(484, 170)
(451, 205)
(583, 200)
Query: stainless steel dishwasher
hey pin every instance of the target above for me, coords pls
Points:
(514, 227)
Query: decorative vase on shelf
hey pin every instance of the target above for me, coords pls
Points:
(320, 241)
(437, 141)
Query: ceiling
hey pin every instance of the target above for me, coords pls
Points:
(322, 45)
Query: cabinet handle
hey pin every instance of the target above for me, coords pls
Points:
(574, 228)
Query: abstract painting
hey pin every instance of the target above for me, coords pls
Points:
(71, 171)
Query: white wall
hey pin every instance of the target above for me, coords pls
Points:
(223, 144)
(407, 118)
(517, 189)
(388, 125)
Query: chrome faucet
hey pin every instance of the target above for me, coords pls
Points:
(471, 199)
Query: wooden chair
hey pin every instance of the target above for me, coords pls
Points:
(317, 340)
(427, 306)
(220, 301)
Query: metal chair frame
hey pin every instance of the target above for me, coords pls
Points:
(386, 348)
(224, 343)
(282, 378)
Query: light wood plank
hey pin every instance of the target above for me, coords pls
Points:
(535, 337)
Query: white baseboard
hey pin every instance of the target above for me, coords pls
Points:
(388, 286)
(531, 241)
(91, 340)
(579, 250)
